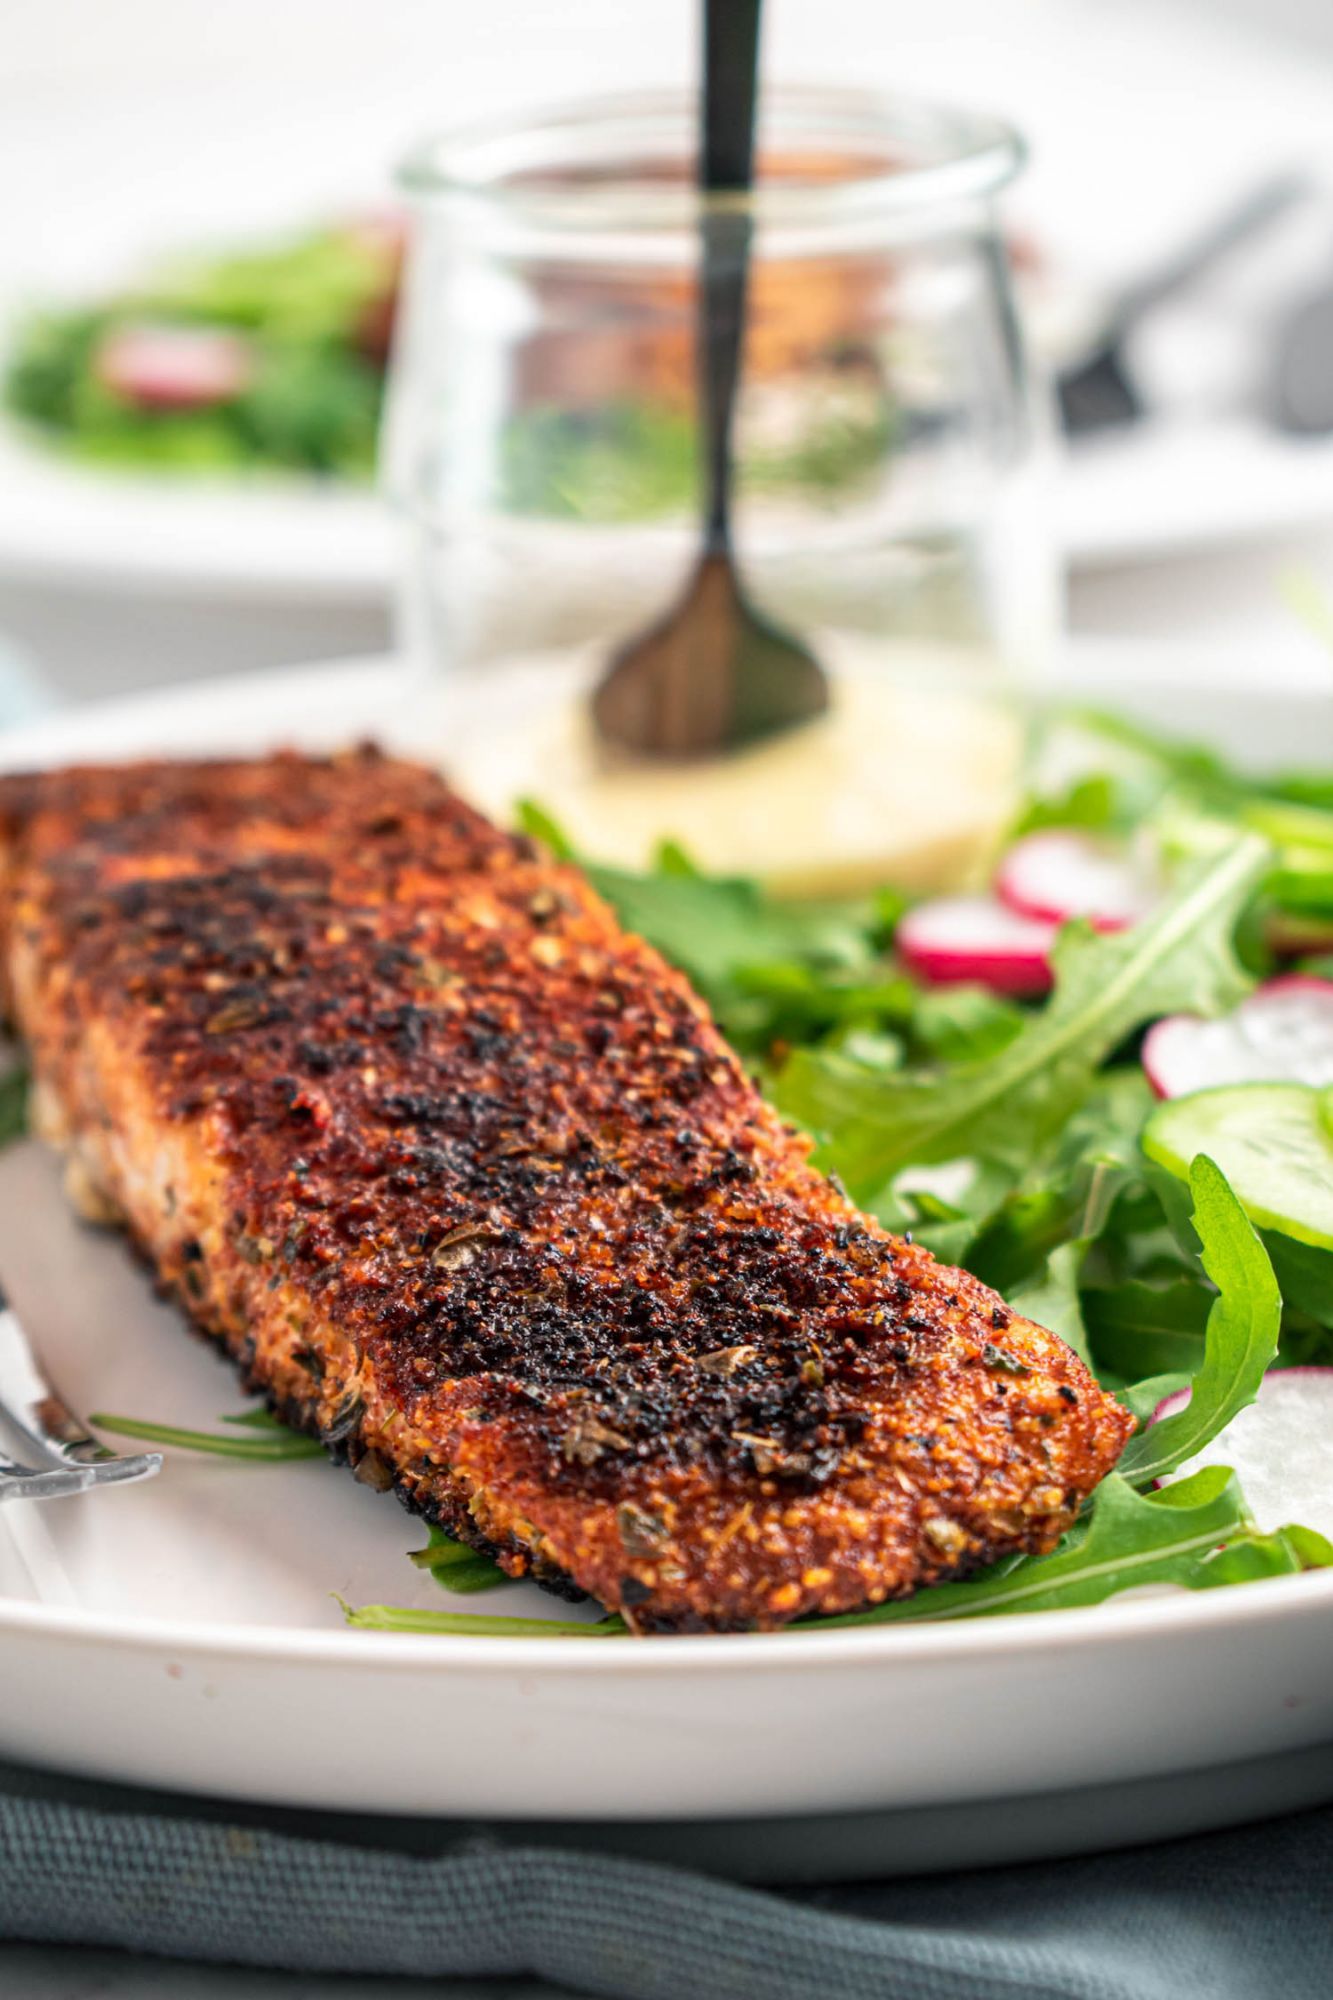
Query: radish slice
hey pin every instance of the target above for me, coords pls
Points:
(1283, 1033)
(383, 232)
(383, 236)
(175, 367)
(958, 938)
(1058, 875)
(1280, 1448)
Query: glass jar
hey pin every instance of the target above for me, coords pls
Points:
(890, 455)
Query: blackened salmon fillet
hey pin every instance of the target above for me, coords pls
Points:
(465, 1180)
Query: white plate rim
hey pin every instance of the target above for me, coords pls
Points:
(1003, 1634)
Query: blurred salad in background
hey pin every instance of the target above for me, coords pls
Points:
(272, 357)
(275, 359)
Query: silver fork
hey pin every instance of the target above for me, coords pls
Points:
(71, 1460)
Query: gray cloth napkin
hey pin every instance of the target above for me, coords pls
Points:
(1234, 1916)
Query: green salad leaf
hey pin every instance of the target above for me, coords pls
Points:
(962, 1024)
(13, 1106)
(1195, 1533)
(271, 1443)
(1179, 959)
(1240, 1339)
(713, 926)
(1052, 1298)
(1137, 1329)
(457, 1567)
(473, 1625)
(314, 316)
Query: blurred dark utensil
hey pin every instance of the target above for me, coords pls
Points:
(715, 672)
(1300, 386)
(1099, 393)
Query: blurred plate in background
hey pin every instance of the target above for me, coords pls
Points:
(145, 161)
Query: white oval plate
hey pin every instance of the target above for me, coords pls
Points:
(184, 1633)
(281, 538)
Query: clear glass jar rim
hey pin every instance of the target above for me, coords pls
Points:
(497, 161)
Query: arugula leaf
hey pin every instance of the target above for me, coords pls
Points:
(1304, 1275)
(534, 820)
(1306, 828)
(1100, 1143)
(1251, 1555)
(477, 1625)
(1137, 1329)
(1314, 1550)
(1051, 1297)
(1180, 959)
(1092, 802)
(1195, 1533)
(1019, 1235)
(457, 1567)
(1305, 788)
(672, 859)
(710, 925)
(938, 1228)
(793, 1001)
(873, 1048)
(1190, 767)
(1240, 1340)
(962, 1023)
(13, 1106)
(274, 1443)
(1304, 884)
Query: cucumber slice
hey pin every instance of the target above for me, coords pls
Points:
(1274, 1143)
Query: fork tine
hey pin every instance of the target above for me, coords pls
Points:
(34, 1412)
(23, 1482)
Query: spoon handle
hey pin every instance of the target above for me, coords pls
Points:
(726, 163)
(731, 55)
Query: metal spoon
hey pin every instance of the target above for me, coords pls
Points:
(715, 672)
(1098, 393)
